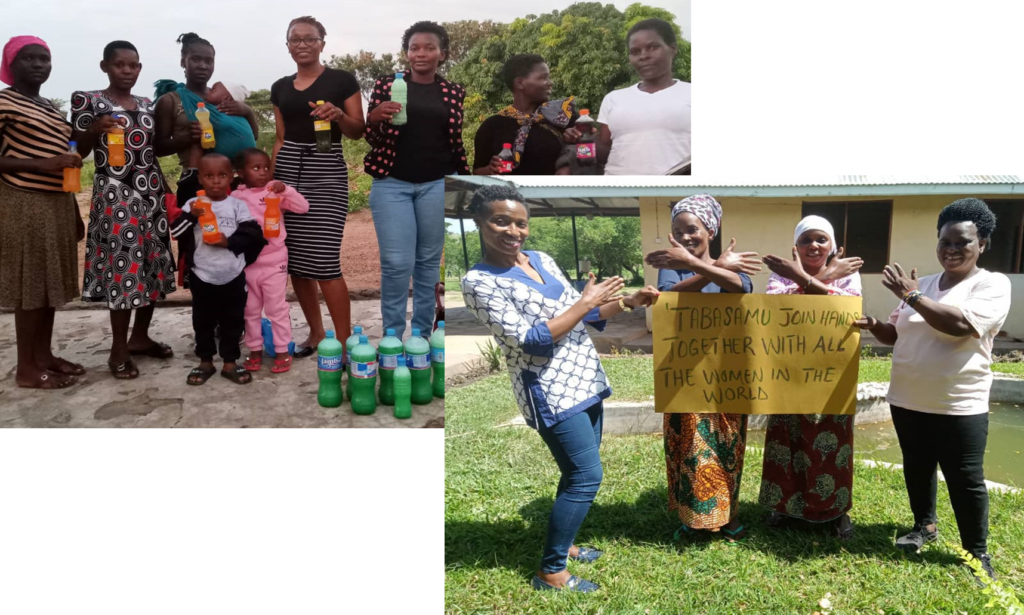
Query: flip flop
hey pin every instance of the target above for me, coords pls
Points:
(239, 375)
(50, 381)
(684, 530)
(736, 536)
(281, 365)
(201, 375)
(124, 371)
(70, 369)
(155, 350)
(253, 364)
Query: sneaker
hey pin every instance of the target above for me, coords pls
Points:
(587, 555)
(916, 539)
(986, 565)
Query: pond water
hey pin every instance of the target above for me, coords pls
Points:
(1004, 457)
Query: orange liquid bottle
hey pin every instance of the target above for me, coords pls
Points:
(72, 176)
(272, 216)
(207, 221)
(115, 146)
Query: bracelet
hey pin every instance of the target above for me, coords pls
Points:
(622, 304)
(912, 297)
(807, 285)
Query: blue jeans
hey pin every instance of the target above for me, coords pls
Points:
(409, 219)
(574, 443)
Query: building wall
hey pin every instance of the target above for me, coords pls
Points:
(765, 226)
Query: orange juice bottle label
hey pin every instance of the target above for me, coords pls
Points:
(115, 138)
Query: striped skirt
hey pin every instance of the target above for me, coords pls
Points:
(314, 238)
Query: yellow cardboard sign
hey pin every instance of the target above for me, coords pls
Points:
(756, 354)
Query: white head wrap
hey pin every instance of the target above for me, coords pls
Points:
(238, 92)
(816, 223)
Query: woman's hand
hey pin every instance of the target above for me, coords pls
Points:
(384, 112)
(597, 294)
(197, 132)
(867, 322)
(571, 135)
(326, 111)
(791, 270)
(106, 123)
(59, 163)
(495, 166)
(198, 212)
(676, 257)
(276, 187)
(840, 267)
(645, 297)
(233, 107)
(896, 280)
(738, 262)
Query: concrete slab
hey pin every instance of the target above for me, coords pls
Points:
(161, 398)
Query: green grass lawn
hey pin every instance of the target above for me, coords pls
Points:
(499, 485)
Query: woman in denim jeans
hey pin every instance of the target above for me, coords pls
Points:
(408, 164)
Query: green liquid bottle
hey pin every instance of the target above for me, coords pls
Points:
(437, 359)
(350, 344)
(418, 351)
(390, 349)
(364, 377)
(403, 390)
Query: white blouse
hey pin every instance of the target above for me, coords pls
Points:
(552, 380)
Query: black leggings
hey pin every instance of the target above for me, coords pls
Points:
(957, 445)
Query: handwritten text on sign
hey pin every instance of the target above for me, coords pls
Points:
(756, 354)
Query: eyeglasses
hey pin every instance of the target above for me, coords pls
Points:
(309, 41)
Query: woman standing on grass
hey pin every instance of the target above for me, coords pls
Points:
(703, 452)
(808, 458)
(537, 319)
(942, 334)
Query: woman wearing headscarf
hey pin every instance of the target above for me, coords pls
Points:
(40, 224)
(536, 127)
(808, 458)
(703, 452)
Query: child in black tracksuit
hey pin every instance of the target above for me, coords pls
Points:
(216, 271)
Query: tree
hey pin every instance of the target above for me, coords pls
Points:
(585, 46)
(367, 67)
(61, 104)
(260, 103)
(465, 34)
(454, 263)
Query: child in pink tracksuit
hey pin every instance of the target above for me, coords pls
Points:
(267, 278)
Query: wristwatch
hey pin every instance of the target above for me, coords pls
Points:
(622, 304)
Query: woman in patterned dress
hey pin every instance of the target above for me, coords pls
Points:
(128, 260)
(808, 458)
(703, 452)
(537, 319)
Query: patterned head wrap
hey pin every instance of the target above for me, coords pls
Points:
(705, 207)
(816, 223)
(11, 49)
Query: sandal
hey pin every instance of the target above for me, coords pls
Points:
(155, 350)
(124, 371)
(684, 530)
(199, 376)
(63, 366)
(734, 536)
(587, 555)
(281, 365)
(777, 520)
(239, 375)
(843, 528)
(51, 381)
(253, 364)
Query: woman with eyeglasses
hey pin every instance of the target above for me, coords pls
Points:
(314, 238)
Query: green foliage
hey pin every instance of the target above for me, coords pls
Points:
(454, 262)
(493, 357)
(367, 67)
(1000, 597)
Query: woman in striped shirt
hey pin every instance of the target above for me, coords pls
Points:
(40, 224)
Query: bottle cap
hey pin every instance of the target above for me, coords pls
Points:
(390, 332)
(399, 75)
(507, 145)
(319, 102)
(202, 105)
(415, 332)
(201, 193)
(357, 329)
(401, 360)
(363, 339)
(584, 111)
(330, 334)
(440, 324)
(73, 143)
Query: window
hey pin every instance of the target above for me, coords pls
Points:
(1004, 247)
(862, 228)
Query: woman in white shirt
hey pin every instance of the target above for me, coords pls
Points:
(942, 334)
(645, 128)
(537, 319)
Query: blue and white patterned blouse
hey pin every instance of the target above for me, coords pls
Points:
(667, 278)
(552, 380)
